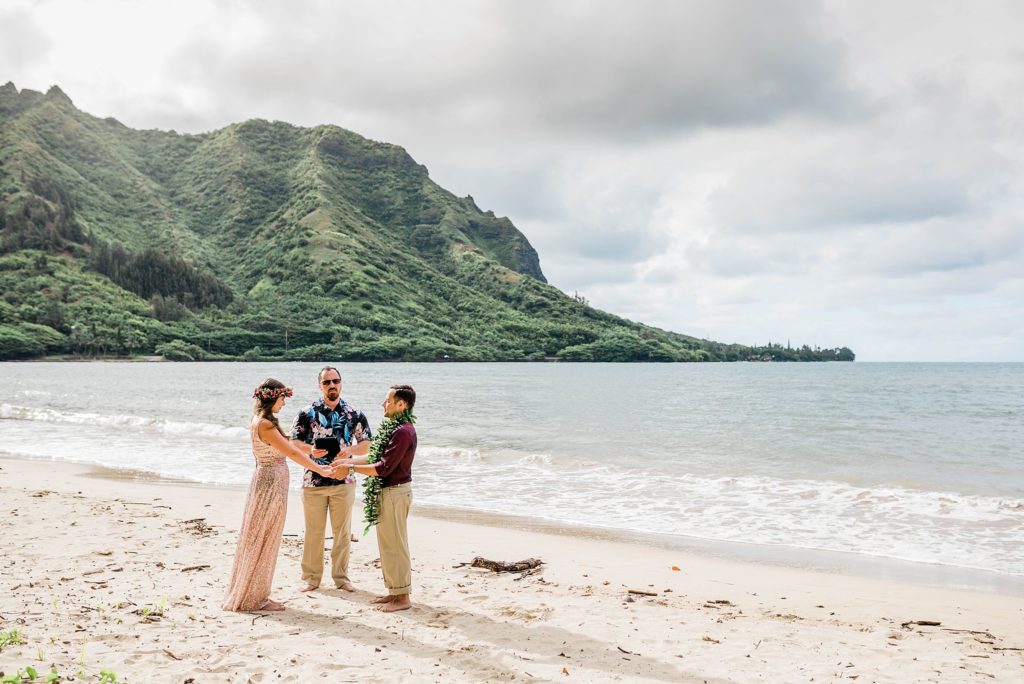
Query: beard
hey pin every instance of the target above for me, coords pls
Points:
(333, 393)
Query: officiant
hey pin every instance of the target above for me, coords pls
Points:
(329, 423)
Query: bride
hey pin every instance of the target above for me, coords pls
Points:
(259, 539)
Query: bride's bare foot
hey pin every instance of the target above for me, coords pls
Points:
(383, 599)
(400, 602)
(271, 604)
(308, 587)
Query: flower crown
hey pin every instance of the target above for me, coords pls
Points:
(268, 394)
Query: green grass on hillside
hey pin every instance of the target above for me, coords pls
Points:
(264, 240)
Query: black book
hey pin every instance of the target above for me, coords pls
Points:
(331, 444)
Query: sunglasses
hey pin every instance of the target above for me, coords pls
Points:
(325, 383)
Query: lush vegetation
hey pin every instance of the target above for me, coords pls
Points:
(267, 241)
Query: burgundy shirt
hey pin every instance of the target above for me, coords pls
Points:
(395, 466)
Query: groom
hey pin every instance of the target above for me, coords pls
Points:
(331, 423)
(395, 470)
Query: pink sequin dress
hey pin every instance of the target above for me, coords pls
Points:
(259, 540)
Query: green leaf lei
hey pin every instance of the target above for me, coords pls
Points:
(372, 484)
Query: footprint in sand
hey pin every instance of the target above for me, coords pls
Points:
(439, 619)
(218, 666)
(524, 614)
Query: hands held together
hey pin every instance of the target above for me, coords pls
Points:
(339, 468)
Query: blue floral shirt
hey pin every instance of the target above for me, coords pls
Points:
(343, 423)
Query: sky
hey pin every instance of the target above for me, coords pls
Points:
(822, 173)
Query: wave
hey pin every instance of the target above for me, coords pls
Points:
(947, 528)
(450, 454)
(888, 521)
(123, 421)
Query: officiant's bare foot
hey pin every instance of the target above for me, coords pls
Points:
(387, 598)
(400, 602)
(307, 587)
(271, 604)
(347, 586)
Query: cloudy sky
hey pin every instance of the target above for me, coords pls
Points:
(830, 173)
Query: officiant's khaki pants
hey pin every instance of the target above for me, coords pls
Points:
(317, 502)
(393, 538)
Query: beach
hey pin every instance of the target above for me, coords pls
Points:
(106, 571)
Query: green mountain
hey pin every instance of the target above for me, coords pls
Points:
(263, 240)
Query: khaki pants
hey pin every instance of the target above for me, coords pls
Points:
(393, 538)
(317, 502)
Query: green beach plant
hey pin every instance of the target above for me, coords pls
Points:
(10, 637)
(27, 674)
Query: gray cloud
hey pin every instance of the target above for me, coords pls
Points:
(940, 246)
(628, 70)
(892, 170)
(648, 68)
(22, 41)
(829, 200)
(744, 258)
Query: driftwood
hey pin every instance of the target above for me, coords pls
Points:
(970, 631)
(198, 527)
(503, 566)
(923, 623)
(641, 592)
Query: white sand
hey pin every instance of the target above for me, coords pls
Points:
(88, 563)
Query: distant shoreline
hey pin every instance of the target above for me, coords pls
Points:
(160, 359)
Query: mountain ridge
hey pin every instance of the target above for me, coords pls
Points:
(265, 240)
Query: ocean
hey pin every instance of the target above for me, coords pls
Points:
(910, 463)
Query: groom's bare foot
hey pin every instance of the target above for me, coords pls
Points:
(308, 587)
(347, 586)
(271, 604)
(387, 598)
(400, 602)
